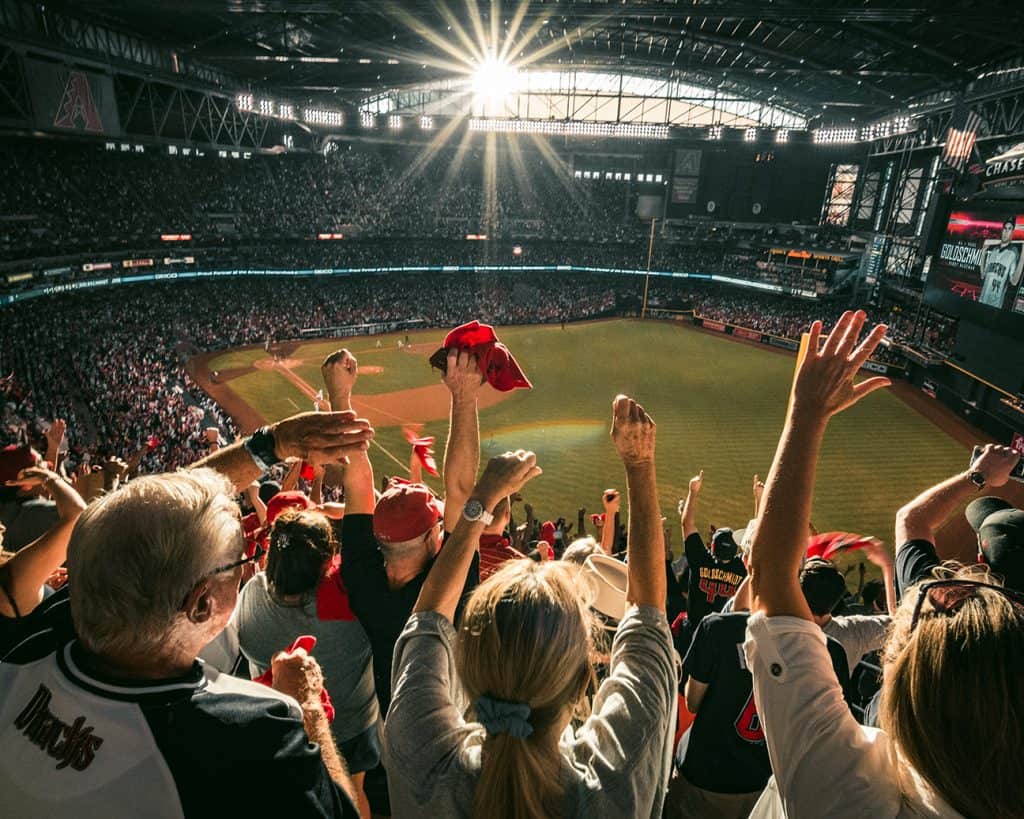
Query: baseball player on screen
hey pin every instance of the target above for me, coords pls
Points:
(1000, 267)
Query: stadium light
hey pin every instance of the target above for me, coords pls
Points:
(426, 123)
(782, 135)
(834, 136)
(395, 122)
(750, 135)
(715, 132)
(633, 130)
(367, 120)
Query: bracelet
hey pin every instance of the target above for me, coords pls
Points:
(261, 448)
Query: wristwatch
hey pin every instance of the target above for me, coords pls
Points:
(261, 448)
(977, 478)
(474, 511)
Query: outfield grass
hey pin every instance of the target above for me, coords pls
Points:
(719, 406)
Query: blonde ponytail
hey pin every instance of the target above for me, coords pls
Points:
(525, 646)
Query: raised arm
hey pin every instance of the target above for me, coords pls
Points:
(504, 475)
(823, 386)
(54, 439)
(31, 566)
(689, 510)
(462, 452)
(633, 434)
(611, 501)
(921, 518)
(252, 492)
(339, 371)
(316, 437)
(876, 552)
(758, 494)
(299, 676)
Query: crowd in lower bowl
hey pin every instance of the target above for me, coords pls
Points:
(226, 639)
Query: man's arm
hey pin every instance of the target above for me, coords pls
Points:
(921, 518)
(299, 676)
(32, 565)
(758, 494)
(611, 501)
(823, 386)
(316, 437)
(340, 371)
(291, 477)
(442, 589)
(633, 433)
(462, 452)
(879, 555)
(689, 512)
(252, 492)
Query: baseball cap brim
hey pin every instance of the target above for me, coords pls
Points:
(978, 510)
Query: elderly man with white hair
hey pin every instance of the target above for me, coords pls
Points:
(104, 708)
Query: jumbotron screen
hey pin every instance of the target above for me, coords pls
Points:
(980, 260)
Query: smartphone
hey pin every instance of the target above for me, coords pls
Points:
(1018, 471)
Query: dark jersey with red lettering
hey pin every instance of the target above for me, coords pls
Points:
(726, 751)
(712, 582)
(74, 743)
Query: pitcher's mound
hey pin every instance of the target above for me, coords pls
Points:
(370, 369)
(270, 364)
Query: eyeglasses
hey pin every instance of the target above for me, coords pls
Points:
(947, 596)
(256, 555)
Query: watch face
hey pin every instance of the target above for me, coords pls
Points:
(474, 509)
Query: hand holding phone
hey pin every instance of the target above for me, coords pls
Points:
(998, 464)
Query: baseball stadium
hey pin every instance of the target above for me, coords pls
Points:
(511, 409)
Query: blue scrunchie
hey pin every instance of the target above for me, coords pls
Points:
(500, 717)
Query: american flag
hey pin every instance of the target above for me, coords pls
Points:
(963, 131)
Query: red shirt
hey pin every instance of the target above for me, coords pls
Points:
(495, 552)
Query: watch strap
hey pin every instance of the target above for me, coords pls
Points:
(261, 448)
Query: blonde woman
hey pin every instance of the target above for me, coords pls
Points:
(521, 662)
(953, 685)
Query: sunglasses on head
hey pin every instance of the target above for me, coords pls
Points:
(948, 596)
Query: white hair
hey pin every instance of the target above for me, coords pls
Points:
(136, 553)
(581, 549)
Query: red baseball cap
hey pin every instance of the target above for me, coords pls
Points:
(405, 511)
(283, 501)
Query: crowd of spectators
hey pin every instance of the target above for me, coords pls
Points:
(404, 654)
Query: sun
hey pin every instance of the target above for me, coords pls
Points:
(494, 79)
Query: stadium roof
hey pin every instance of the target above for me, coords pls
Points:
(833, 60)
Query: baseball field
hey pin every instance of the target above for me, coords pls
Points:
(718, 403)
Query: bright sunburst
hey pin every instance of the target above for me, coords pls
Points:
(487, 60)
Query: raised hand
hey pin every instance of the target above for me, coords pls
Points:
(34, 476)
(508, 473)
(462, 375)
(996, 463)
(339, 371)
(321, 437)
(824, 381)
(55, 434)
(876, 552)
(632, 432)
(611, 500)
(697, 483)
(298, 675)
(758, 490)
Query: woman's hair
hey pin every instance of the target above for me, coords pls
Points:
(301, 543)
(952, 694)
(526, 638)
